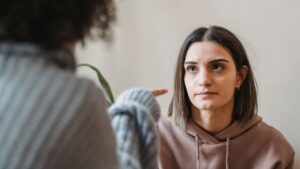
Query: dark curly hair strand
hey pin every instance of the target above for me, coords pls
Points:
(52, 23)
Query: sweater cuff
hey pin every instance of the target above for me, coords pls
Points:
(142, 97)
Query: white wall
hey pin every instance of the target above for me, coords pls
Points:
(148, 36)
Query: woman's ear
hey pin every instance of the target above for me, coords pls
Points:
(242, 73)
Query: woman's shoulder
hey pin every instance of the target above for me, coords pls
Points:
(271, 132)
(79, 91)
(274, 138)
(165, 123)
(169, 131)
(166, 127)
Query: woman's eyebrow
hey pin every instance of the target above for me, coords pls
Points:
(219, 60)
(190, 63)
(213, 61)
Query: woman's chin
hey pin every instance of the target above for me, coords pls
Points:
(205, 106)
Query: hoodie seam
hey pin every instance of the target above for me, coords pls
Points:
(291, 158)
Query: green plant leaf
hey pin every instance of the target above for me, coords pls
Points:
(103, 82)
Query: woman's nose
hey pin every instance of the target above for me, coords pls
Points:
(204, 78)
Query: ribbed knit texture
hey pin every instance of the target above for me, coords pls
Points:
(133, 120)
(49, 119)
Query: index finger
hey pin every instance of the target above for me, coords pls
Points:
(158, 92)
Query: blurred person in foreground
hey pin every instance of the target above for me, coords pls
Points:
(49, 118)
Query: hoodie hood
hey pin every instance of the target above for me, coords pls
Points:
(233, 131)
(247, 145)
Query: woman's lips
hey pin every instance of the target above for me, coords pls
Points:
(205, 94)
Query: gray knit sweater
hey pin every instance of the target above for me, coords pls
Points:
(49, 119)
(133, 120)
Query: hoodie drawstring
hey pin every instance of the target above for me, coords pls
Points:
(226, 156)
(197, 155)
(227, 152)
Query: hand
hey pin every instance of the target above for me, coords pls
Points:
(158, 92)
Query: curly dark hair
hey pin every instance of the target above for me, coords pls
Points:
(52, 23)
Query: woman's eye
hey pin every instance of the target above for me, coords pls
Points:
(217, 67)
(191, 68)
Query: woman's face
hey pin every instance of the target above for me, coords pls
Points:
(210, 76)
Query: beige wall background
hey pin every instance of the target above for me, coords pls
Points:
(148, 35)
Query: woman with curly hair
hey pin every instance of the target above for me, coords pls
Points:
(49, 118)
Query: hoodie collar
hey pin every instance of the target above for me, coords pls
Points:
(234, 130)
(238, 128)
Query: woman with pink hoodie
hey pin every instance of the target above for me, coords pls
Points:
(212, 121)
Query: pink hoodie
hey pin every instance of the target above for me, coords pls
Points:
(251, 145)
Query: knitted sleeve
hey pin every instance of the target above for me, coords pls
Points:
(133, 119)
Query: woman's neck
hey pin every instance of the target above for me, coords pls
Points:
(213, 121)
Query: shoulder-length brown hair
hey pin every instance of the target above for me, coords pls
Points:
(245, 100)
